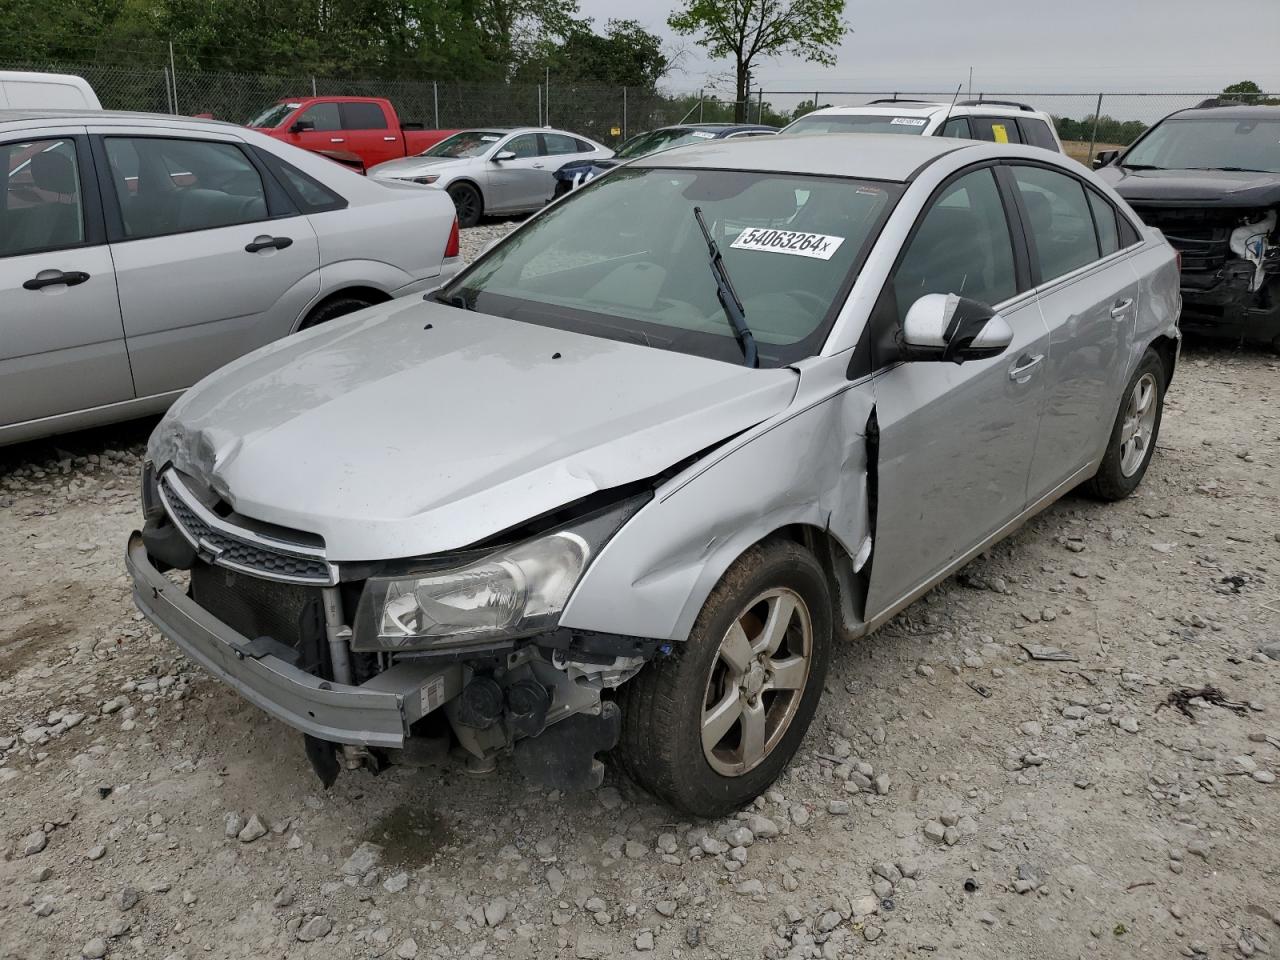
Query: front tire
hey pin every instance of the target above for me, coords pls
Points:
(1134, 434)
(468, 203)
(708, 728)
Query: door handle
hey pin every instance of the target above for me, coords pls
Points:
(1021, 371)
(538, 166)
(1121, 307)
(337, 140)
(266, 243)
(389, 139)
(52, 278)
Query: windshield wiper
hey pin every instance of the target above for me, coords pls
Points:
(1233, 169)
(1141, 166)
(728, 297)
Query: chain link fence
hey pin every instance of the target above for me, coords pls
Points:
(605, 113)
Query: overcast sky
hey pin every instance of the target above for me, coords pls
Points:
(1015, 45)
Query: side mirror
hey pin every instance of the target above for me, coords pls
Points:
(504, 155)
(302, 126)
(1104, 157)
(942, 326)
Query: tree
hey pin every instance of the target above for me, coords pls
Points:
(1246, 91)
(750, 30)
(625, 55)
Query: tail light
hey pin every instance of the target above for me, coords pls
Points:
(454, 247)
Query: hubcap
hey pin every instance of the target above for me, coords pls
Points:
(1139, 424)
(756, 682)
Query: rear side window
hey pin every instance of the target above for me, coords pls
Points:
(961, 246)
(1037, 133)
(308, 193)
(583, 146)
(558, 143)
(995, 129)
(1059, 220)
(363, 116)
(41, 208)
(1104, 219)
(177, 186)
(324, 116)
(957, 127)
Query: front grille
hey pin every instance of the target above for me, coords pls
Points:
(1203, 237)
(235, 548)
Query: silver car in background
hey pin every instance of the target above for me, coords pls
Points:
(704, 416)
(139, 253)
(494, 171)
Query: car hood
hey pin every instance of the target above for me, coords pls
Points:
(413, 166)
(1208, 187)
(415, 428)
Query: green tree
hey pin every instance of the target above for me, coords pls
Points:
(1246, 91)
(625, 55)
(751, 30)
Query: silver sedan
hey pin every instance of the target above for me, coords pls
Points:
(628, 478)
(494, 171)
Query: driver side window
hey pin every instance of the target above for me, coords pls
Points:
(523, 146)
(961, 245)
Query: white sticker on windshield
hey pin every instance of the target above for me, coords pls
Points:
(490, 139)
(909, 121)
(703, 135)
(819, 246)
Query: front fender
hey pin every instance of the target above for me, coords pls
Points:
(806, 467)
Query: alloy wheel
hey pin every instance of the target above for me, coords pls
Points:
(1139, 424)
(756, 682)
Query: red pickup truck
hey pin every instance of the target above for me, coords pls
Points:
(356, 131)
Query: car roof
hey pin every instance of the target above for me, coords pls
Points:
(97, 116)
(870, 156)
(1230, 112)
(927, 108)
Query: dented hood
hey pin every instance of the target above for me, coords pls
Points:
(415, 428)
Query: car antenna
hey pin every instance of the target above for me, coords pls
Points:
(947, 116)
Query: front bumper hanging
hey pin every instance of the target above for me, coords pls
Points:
(377, 713)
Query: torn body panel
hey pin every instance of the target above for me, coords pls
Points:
(653, 577)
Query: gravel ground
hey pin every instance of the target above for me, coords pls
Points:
(954, 799)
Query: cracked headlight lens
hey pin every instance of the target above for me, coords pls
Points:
(516, 591)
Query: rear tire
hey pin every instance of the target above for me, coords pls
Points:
(468, 203)
(332, 309)
(1134, 434)
(674, 710)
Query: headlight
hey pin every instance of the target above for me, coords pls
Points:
(431, 179)
(514, 592)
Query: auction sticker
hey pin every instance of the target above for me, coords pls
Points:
(908, 121)
(819, 246)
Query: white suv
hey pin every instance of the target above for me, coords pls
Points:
(998, 121)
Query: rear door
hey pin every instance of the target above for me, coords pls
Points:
(1088, 295)
(524, 182)
(212, 258)
(368, 132)
(61, 341)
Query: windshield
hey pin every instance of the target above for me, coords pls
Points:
(468, 143)
(856, 123)
(1209, 143)
(623, 258)
(655, 140)
(273, 116)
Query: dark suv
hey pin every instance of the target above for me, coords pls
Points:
(1209, 178)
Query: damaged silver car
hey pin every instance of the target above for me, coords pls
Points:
(622, 484)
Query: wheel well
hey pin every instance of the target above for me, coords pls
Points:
(1166, 349)
(470, 183)
(848, 589)
(369, 295)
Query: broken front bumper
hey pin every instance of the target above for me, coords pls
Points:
(378, 713)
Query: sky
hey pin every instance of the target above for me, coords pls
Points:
(1027, 46)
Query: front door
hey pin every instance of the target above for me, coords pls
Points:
(522, 183)
(61, 341)
(211, 259)
(1089, 300)
(956, 441)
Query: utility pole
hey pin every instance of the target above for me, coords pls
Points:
(173, 73)
(969, 96)
(548, 95)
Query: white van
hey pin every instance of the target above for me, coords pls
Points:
(56, 91)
